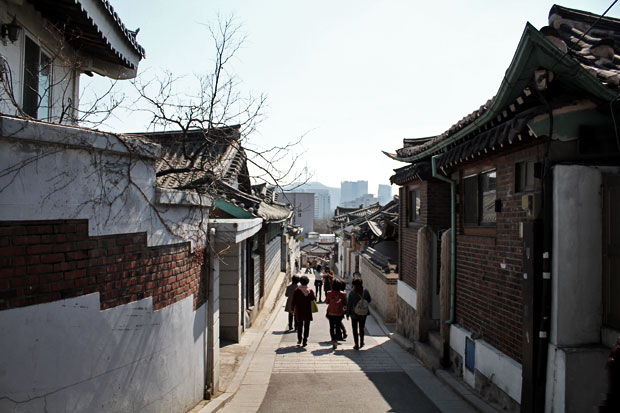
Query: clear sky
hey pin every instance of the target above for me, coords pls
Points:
(354, 76)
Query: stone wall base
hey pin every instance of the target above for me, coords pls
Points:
(406, 316)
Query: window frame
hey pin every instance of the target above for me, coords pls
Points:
(519, 187)
(417, 211)
(477, 179)
(31, 82)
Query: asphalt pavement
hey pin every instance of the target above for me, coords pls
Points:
(279, 376)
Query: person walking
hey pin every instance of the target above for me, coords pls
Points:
(336, 301)
(342, 331)
(357, 309)
(328, 277)
(318, 283)
(302, 297)
(289, 301)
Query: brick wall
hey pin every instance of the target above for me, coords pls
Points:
(408, 244)
(44, 261)
(488, 297)
(435, 213)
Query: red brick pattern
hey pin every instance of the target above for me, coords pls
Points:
(488, 297)
(44, 261)
(435, 213)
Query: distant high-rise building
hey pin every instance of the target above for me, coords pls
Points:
(350, 190)
(384, 193)
(322, 204)
(303, 206)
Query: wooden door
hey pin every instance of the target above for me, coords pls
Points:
(611, 250)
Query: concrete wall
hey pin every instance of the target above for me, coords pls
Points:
(70, 356)
(575, 368)
(576, 258)
(382, 289)
(494, 366)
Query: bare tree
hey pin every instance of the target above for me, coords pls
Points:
(212, 103)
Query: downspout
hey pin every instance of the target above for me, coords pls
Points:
(209, 309)
(437, 175)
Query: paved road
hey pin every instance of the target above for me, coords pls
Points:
(381, 377)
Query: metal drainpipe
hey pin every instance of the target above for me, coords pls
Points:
(209, 309)
(452, 235)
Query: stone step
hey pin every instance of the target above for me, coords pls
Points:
(427, 354)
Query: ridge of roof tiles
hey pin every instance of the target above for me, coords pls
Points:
(130, 35)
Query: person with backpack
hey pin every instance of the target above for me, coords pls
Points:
(336, 301)
(358, 309)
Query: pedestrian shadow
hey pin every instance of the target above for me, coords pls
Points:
(321, 352)
(282, 332)
(290, 349)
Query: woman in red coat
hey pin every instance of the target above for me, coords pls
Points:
(301, 307)
(336, 300)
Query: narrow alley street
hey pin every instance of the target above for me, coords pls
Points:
(278, 376)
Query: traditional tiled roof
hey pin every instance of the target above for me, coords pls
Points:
(356, 213)
(227, 196)
(80, 20)
(374, 223)
(513, 131)
(597, 50)
(420, 170)
(379, 260)
(586, 61)
(197, 158)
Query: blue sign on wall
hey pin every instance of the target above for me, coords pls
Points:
(470, 354)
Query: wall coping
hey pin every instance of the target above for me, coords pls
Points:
(30, 130)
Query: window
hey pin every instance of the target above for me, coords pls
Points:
(524, 176)
(480, 194)
(414, 205)
(37, 81)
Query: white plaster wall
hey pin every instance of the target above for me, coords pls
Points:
(500, 369)
(126, 358)
(70, 356)
(60, 172)
(407, 293)
(576, 278)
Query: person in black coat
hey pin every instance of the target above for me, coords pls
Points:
(357, 310)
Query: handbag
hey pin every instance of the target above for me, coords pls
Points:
(314, 307)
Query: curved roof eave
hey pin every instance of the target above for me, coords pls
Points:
(534, 51)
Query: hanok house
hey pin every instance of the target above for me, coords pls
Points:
(372, 233)
(347, 261)
(529, 184)
(46, 45)
(247, 227)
